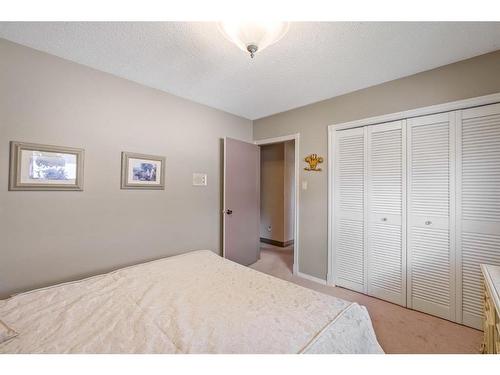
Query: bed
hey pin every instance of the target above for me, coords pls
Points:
(196, 302)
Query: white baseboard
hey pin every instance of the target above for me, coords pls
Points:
(311, 278)
(329, 280)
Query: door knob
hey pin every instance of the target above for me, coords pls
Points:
(428, 222)
(229, 212)
(384, 219)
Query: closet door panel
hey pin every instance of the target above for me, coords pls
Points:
(430, 282)
(479, 200)
(431, 255)
(349, 223)
(386, 264)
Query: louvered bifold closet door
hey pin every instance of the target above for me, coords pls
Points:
(349, 208)
(386, 212)
(431, 214)
(478, 198)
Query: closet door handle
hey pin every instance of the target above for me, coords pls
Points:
(428, 222)
(384, 219)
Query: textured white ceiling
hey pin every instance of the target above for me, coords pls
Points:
(314, 61)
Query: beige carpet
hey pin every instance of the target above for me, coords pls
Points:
(399, 330)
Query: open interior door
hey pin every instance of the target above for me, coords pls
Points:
(241, 239)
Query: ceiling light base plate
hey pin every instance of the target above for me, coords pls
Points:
(252, 48)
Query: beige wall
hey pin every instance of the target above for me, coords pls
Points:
(271, 191)
(47, 237)
(289, 190)
(277, 186)
(465, 79)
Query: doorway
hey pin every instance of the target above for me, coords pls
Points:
(279, 176)
(241, 227)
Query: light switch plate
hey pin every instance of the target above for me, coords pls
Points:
(304, 185)
(199, 179)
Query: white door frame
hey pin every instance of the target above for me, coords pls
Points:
(445, 107)
(296, 231)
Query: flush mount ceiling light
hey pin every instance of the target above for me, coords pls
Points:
(253, 36)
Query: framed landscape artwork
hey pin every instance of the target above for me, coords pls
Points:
(141, 171)
(44, 167)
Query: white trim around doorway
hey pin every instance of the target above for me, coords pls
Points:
(296, 231)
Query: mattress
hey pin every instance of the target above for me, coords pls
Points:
(196, 302)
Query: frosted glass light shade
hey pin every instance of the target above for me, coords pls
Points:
(259, 34)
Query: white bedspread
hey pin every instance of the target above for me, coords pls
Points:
(192, 303)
